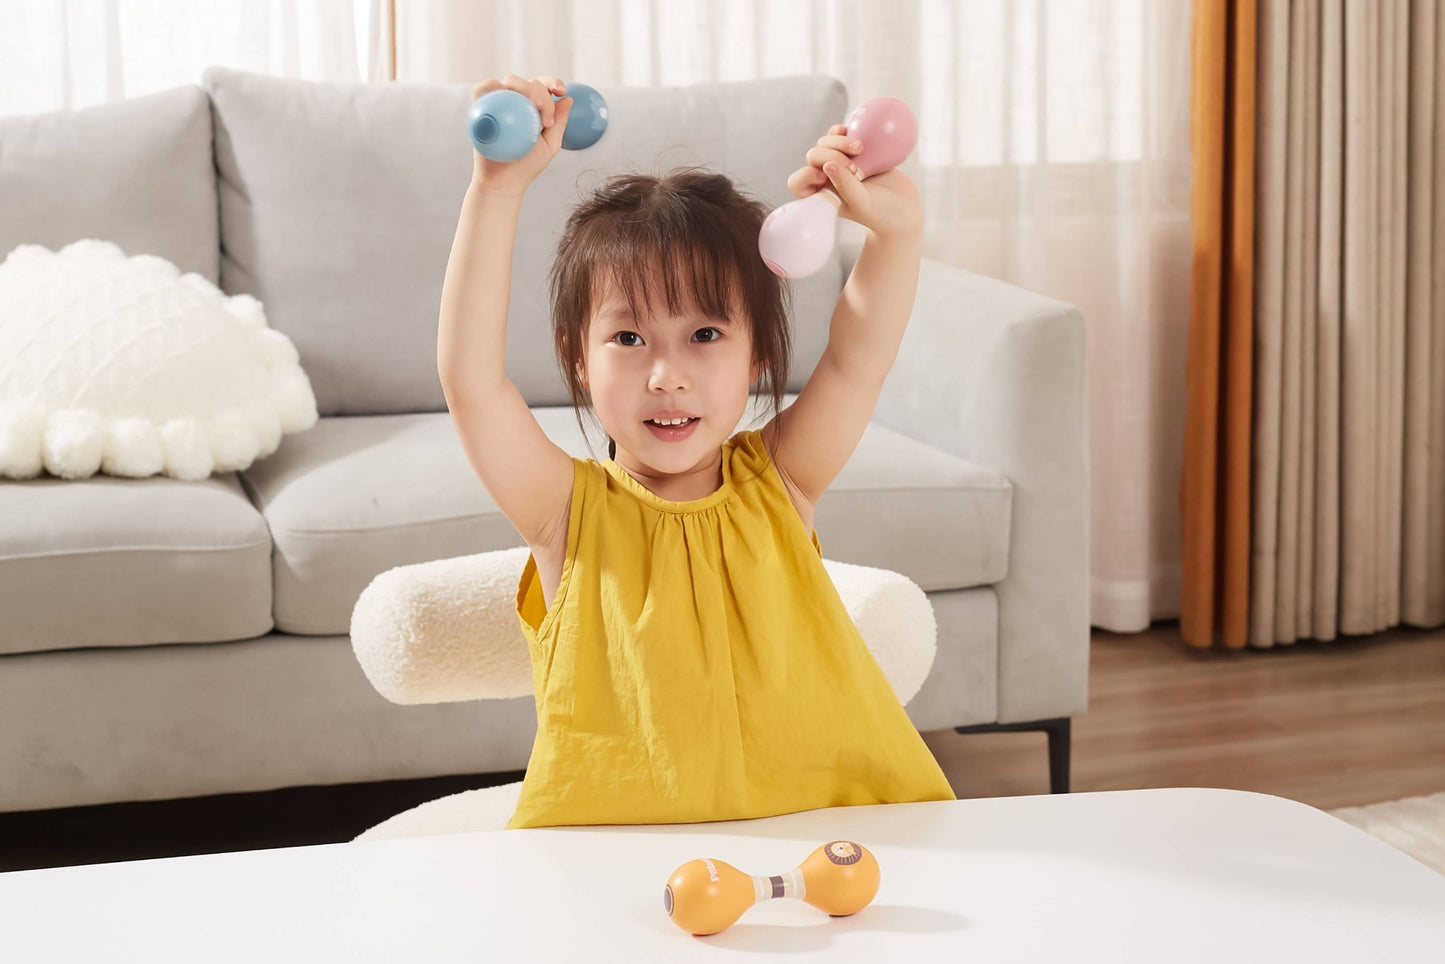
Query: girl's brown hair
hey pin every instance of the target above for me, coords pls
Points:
(689, 232)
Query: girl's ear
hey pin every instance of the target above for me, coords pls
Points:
(582, 375)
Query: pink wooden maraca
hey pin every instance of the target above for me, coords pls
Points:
(798, 237)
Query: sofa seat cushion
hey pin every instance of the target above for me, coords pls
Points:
(130, 562)
(358, 495)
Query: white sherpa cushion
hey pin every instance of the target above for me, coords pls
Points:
(124, 366)
(447, 631)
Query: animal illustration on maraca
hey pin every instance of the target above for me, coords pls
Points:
(797, 238)
(706, 896)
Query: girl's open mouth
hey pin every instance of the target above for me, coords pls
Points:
(673, 433)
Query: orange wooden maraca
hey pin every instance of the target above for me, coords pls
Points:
(705, 896)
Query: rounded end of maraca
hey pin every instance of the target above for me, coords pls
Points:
(503, 125)
(842, 877)
(705, 896)
(797, 238)
(588, 120)
(888, 130)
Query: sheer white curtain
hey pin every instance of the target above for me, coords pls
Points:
(62, 54)
(1053, 153)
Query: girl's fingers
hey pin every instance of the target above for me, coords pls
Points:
(806, 180)
(553, 135)
(486, 87)
(550, 85)
(539, 91)
(818, 156)
(533, 91)
(542, 99)
(838, 129)
(841, 142)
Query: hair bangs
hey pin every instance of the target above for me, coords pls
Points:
(664, 268)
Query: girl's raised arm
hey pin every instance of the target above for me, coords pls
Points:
(812, 439)
(528, 475)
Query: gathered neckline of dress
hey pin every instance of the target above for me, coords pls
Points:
(721, 494)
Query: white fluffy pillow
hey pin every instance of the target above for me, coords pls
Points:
(125, 366)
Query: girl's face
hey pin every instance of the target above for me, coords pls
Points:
(640, 370)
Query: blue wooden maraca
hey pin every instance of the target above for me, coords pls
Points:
(504, 124)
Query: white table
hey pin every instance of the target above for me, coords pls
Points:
(1144, 875)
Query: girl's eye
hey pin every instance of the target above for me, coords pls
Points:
(715, 334)
(622, 335)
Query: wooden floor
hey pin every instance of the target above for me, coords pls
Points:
(1328, 724)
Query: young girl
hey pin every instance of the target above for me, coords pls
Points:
(691, 659)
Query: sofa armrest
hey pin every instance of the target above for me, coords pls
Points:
(996, 374)
(448, 631)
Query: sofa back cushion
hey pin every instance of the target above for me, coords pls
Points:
(136, 172)
(339, 203)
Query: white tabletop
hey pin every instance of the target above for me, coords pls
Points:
(1143, 875)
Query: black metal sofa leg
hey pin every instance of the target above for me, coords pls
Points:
(1060, 733)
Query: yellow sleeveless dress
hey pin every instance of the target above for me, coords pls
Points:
(697, 664)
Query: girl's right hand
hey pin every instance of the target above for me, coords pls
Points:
(512, 177)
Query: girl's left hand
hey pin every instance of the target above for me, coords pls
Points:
(885, 203)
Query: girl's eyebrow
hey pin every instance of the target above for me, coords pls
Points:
(622, 313)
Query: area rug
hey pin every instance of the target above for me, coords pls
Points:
(1415, 825)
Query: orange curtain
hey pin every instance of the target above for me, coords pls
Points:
(1215, 491)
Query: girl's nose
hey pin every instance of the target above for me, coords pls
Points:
(667, 376)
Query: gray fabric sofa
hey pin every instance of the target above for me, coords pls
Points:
(164, 639)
